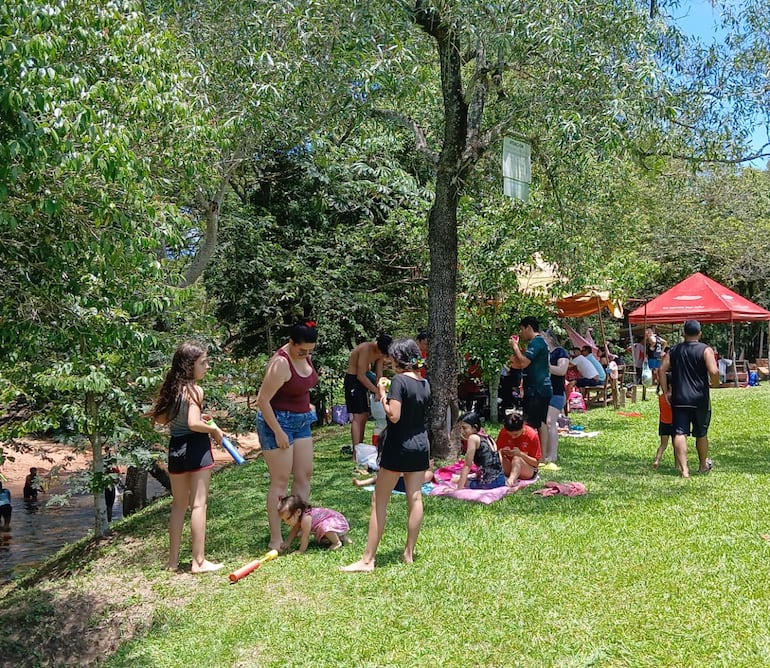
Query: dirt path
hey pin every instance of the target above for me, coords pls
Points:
(49, 456)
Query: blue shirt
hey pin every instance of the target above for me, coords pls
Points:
(597, 365)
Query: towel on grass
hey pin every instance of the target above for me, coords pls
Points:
(485, 496)
(581, 434)
(566, 488)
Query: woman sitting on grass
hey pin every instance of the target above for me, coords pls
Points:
(480, 450)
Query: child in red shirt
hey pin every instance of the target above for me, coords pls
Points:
(665, 426)
(519, 448)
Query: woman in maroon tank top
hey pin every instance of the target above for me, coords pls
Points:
(284, 419)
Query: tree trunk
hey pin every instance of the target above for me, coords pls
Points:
(494, 391)
(442, 237)
(101, 525)
(135, 494)
(161, 475)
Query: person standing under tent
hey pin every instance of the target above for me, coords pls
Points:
(655, 345)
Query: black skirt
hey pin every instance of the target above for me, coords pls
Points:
(190, 452)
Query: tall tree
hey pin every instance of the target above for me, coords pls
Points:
(91, 93)
(575, 79)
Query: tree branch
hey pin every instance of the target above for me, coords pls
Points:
(212, 208)
(421, 143)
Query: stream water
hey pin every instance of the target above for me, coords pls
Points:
(38, 530)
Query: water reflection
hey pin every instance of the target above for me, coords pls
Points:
(38, 531)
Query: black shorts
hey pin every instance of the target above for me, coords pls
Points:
(356, 395)
(5, 513)
(665, 429)
(190, 453)
(535, 409)
(685, 416)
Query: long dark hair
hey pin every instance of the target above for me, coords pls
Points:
(180, 378)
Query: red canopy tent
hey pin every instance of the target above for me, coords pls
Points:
(699, 298)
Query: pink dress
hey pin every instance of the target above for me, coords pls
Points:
(324, 520)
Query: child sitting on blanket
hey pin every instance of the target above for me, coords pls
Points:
(328, 526)
(519, 448)
(481, 450)
(400, 486)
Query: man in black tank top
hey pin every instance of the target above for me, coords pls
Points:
(693, 367)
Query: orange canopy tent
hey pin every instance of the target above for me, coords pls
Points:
(589, 303)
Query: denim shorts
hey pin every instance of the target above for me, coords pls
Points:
(296, 425)
(499, 481)
(557, 401)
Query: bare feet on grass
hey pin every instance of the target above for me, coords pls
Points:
(206, 567)
(359, 566)
(407, 557)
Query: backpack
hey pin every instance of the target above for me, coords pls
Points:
(576, 402)
(340, 414)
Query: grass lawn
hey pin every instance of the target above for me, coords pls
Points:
(647, 569)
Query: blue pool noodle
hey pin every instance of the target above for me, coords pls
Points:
(234, 453)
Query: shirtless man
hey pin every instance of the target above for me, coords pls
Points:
(358, 386)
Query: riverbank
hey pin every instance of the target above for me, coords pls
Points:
(52, 458)
(39, 529)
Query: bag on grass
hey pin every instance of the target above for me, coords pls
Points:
(340, 414)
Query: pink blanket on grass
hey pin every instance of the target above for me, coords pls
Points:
(445, 473)
(485, 496)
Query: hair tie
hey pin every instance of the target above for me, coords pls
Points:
(310, 323)
(416, 363)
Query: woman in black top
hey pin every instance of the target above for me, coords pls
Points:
(482, 451)
(405, 450)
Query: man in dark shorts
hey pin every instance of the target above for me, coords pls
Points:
(693, 367)
(358, 385)
(537, 375)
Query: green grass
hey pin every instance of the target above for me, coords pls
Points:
(647, 569)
